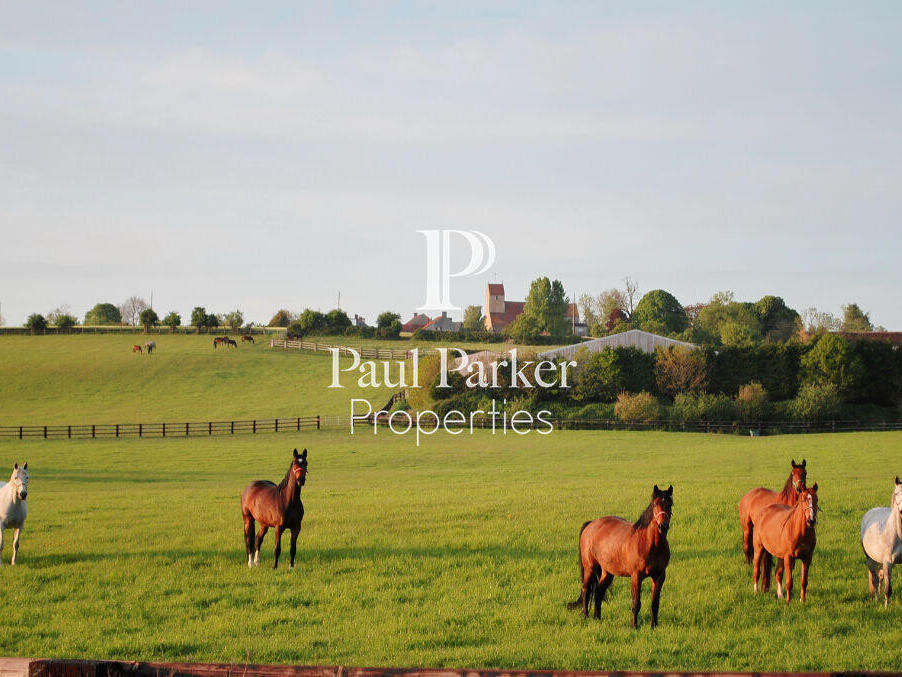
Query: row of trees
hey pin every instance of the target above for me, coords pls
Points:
(137, 312)
(335, 322)
(722, 321)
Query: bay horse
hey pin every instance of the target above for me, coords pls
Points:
(611, 546)
(787, 534)
(881, 539)
(219, 340)
(247, 338)
(278, 506)
(231, 343)
(136, 349)
(13, 509)
(758, 499)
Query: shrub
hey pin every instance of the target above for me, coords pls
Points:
(103, 313)
(65, 321)
(639, 408)
(599, 377)
(751, 402)
(36, 322)
(679, 369)
(172, 320)
(832, 361)
(816, 402)
(702, 407)
(149, 318)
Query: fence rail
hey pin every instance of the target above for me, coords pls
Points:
(428, 424)
(188, 429)
(188, 329)
(367, 353)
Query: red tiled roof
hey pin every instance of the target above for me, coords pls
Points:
(416, 322)
(496, 289)
(511, 310)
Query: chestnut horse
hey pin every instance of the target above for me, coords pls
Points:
(757, 499)
(247, 338)
(136, 349)
(278, 506)
(611, 546)
(787, 534)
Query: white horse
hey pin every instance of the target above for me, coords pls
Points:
(13, 509)
(881, 538)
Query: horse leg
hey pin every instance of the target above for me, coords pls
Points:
(600, 589)
(779, 578)
(278, 538)
(260, 534)
(768, 570)
(756, 566)
(804, 582)
(888, 582)
(873, 578)
(589, 582)
(249, 538)
(16, 545)
(1, 545)
(294, 545)
(637, 598)
(748, 540)
(656, 583)
(788, 564)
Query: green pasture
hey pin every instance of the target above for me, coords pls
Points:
(50, 380)
(461, 552)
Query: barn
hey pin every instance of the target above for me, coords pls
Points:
(634, 338)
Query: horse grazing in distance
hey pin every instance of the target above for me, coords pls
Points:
(247, 338)
(149, 346)
(13, 509)
(136, 349)
(611, 546)
(278, 506)
(787, 534)
(758, 499)
(231, 343)
(219, 340)
(881, 538)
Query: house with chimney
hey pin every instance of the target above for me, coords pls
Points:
(499, 312)
(439, 323)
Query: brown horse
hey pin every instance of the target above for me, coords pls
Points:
(136, 349)
(278, 506)
(247, 338)
(611, 546)
(787, 534)
(758, 499)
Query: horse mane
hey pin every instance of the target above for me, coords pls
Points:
(646, 517)
(284, 481)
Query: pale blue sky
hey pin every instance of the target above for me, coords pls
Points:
(268, 156)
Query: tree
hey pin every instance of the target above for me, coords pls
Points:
(386, 319)
(679, 370)
(543, 313)
(659, 312)
(778, 321)
(172, 320)
(36, 322)
(65, 321)
(103, 314)
(149, 318)
(311, 321)
(54, 315)
(630, 292)
(855, 319)
(282, 318)
(817, 322)
(729, 322)
(337, 321)
(131, 308)
(473, 318)
(832, 362)
(234, 320)
(199, 317)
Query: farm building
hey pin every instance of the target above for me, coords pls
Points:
(439, 323)
(634, 338)
(418, 321)
(500, 312)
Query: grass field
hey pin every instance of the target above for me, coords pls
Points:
(461, 552)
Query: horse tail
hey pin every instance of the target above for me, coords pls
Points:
(748, 543)
(582, 572)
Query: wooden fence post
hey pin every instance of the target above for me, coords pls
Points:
(210, 428)
(45, 432)
(20, 432)
(186, 430)
(164, 430)
(254, 426)
(117, 430)
(70, 432)
(140, 430)
(233, 427)
(93, 430)
(299, 423)
(317, 421)
(276, 429)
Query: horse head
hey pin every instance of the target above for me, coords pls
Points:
(19, 480)
(799, 475)
(298, 468)
(808, 502)
(897, 496)
(662, 504)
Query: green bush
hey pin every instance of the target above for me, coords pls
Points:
(833, 362)
(774, 366)
(36, 322)
(816, 402)
(751, 402)
(689, 407)
(659, 312)
(601, 376)
(639, 408)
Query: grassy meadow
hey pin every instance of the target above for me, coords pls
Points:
(460, 552)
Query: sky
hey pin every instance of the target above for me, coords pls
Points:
(273, 155)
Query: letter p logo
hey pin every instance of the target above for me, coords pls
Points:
(438, 264)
